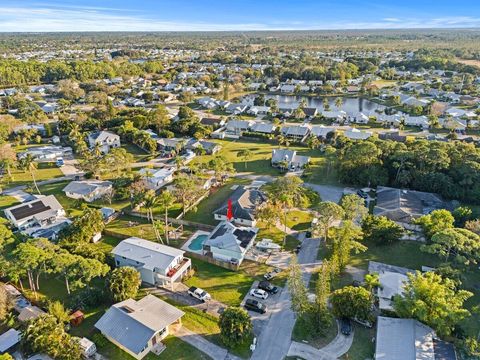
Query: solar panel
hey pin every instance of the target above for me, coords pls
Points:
(29, 210)
(220, 231)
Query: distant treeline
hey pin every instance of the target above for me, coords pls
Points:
(17, 73)
(451, 169)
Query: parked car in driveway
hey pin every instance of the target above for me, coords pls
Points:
(259, 293)
(270, 275)
(345, 326)
(265, 285)
(255, 305)
(199, 294)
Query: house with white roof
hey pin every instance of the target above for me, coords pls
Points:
(321, 131)
(158, 264)
(88, 190)
(105, 139)
(47, 153)
(294, 162)
(42, 217)
(356, 134)
(155, 179)
(263, 128)
(229, 242)
(409, 339)
(239, 126)
(138, 327)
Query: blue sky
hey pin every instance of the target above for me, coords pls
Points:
(243, 15)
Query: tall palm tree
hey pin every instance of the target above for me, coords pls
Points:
(166, 199)
(149, 202)
(27, 163)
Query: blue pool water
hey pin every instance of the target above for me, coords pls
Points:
(197, 243)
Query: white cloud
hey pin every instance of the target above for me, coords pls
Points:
(49, 18)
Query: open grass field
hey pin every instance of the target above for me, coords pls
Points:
(217, 198)
(302, 333)
(268, 231)
(299, 220)
(45, 171)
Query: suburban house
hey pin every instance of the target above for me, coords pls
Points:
(158, 264)
(138, 327)
(42, 217)
(392, 279)
(409, 339)
(155, 179)
(172, 144)
(321, 131)
(259, 110)
(88, 190)
(296, 133)
(289, 159)
(229, 242)
(244, 204)
(402, 206)
(214, 122)
(239, 126)
(209, 146)
(47, 153)
(263, 128)
(105, 139)
(310, 112)
(356, 134)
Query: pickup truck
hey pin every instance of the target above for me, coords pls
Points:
(199, 294)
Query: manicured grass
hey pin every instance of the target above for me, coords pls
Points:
(217, 198)
(302, 333)
(71, 206)
(7, 201)
(45, 171)
(362, 347)
(127, 226)
(138, 154)
(226, 286)
(299, 220)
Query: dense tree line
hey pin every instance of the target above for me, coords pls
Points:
(451, 169)
(17, 73)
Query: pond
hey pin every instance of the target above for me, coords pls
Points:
(350, 105)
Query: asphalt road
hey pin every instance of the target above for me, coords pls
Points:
(274, 340)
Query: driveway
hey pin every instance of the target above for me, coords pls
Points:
(70, 168)
(180, 294)
(327, 192)
(275, 339)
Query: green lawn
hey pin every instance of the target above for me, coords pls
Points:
(45, 171)
(302, 333)
(362, 347)
(217, 198)
(299, 220)
(71, 206)
(224, 285)
(7, 201)
(127, 226)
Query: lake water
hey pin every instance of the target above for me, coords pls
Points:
(349, 104)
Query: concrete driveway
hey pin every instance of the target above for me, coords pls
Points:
(327, 192)
(275, 338)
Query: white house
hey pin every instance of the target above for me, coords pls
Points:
(47, 153)
(154, 179)
(229, 242)
(294, 162)
(42, 217)
(88, 190)
(356, 134)
(137, 327)
(105, 139)
(158, 264)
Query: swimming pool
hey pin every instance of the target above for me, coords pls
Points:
(197, 243)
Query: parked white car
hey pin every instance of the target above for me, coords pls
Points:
(199, 294)
(259, 293)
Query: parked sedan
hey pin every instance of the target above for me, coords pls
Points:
(265, 285)
(259, 293)
(255, 305)
(345, 326)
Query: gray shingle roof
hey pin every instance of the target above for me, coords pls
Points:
(85, 187)
(244, 203)
(133, 323)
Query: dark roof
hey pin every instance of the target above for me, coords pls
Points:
(310, 111)
(245, 237)
(210, 121)
(29, 210)
(444, 350)
(244, 203)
